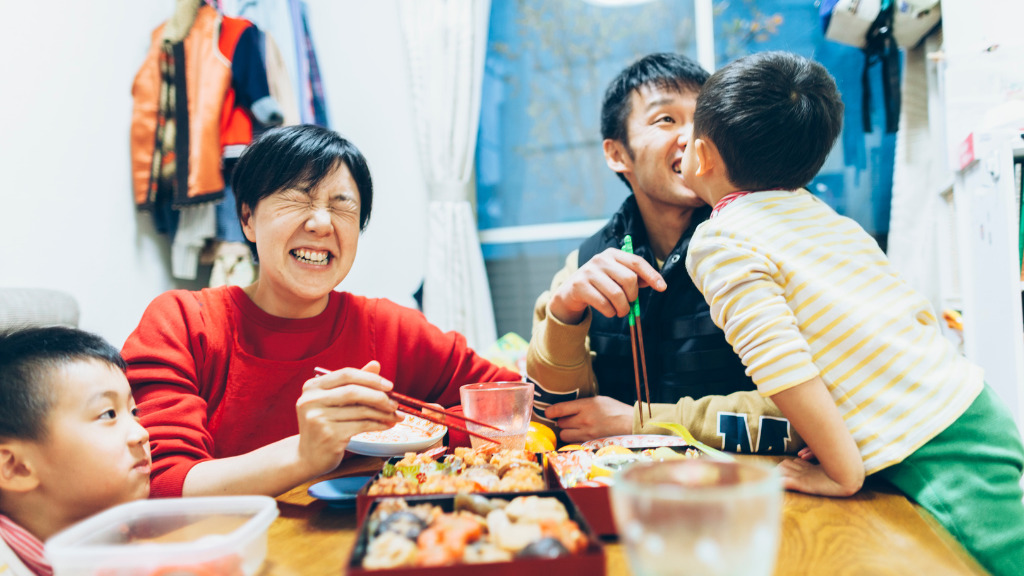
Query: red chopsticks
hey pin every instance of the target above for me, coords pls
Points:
(407, 404)
(636, 334)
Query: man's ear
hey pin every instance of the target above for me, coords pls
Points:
(17, 474)
(246, 221)
(616, 156)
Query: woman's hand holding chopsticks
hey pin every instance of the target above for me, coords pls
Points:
(431, 412)
(336, 406)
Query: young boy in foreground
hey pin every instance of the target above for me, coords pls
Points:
(826, 327)
(70, 441)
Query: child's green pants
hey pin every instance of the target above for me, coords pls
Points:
(968, 477)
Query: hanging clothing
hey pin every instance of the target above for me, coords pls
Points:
(282, 90)
(317, 101)
(196, 224)
(274, 18)
(229, 229)
(210, 90)
(248, 98)
(203, 76)
(286, 22)
(163, 172)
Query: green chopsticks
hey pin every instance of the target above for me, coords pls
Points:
(636, 340)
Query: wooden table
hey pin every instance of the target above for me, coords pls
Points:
(877, 532)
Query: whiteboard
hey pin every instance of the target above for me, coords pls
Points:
(987, 223)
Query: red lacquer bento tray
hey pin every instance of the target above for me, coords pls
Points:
(589, 562)
(594, 500)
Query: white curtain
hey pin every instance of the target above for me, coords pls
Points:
(446, 42)
(920, 218)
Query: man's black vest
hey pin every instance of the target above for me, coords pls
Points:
(686, 354)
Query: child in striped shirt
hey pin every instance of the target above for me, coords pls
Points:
(825, 326)
(70, 441)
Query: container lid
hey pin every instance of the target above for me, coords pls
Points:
(165, 530)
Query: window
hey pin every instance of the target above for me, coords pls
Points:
(542, 182)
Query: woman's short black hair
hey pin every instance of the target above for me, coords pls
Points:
(29, 357)
(301, 157)
(773, 116)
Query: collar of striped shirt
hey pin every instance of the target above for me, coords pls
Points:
(726, 200)
(25, 545)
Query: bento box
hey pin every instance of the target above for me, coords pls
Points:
(474, 534)
(456, 471)
(224, 535)
(586, 474)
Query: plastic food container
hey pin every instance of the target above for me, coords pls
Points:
(209, 536)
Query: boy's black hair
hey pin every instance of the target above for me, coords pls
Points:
(300, 156)
(663, 70)
(28, 358)
(773, 116)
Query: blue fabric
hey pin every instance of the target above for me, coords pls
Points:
(825, 8)
(248, 72)
(316, 89)
(229, 228)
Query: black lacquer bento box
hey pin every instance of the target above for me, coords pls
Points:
(577, 551)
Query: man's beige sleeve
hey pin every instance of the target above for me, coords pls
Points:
(704, 417)
(559, 361)
(558, 358)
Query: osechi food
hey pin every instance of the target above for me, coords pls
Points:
(482, 469)
(479, 530)
(579, 468)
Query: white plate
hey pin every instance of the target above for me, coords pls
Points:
(635, 441)
(412, 434)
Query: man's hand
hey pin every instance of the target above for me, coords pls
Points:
(589, 418)
(608, 283)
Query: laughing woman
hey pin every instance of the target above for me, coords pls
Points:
(223, 377)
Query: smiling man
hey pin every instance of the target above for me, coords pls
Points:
(580, 352)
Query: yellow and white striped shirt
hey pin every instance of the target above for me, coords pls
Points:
(802, 292)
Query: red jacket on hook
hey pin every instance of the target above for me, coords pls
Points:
(208, 78)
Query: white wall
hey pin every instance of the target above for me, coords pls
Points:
(66, 215)
(983, 74)
(362, 60)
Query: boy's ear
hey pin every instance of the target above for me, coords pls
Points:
(706, 156)
(16, 471)
(616, 156)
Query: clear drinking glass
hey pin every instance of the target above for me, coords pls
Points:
(699, 516)
(507, 405)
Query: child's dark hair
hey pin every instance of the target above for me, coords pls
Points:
(662, 70)
(298, 156)
(28, 357)
(773, 116)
